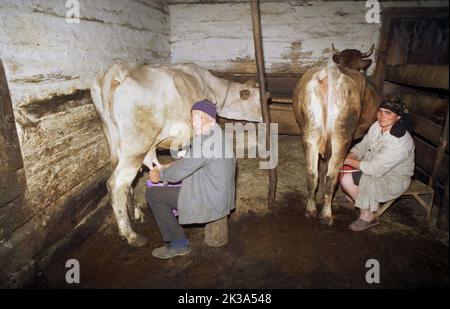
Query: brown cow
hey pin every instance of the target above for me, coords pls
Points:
(333, 104)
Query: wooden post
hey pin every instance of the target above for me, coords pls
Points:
(440, 152)
(216, 233)
(257, 40)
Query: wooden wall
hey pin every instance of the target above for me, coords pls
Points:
(57, 163)
(413, 63)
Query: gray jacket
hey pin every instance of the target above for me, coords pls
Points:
(208, 189)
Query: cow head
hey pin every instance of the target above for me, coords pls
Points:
(242, 102)
(352, 58)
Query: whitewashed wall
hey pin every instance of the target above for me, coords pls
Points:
(296, 34)
(49, 66)
(45, 55)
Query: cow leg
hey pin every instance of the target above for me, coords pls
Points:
(119, 186)
(322, 174)
(312, 175)
(134, 209)
(334, 165)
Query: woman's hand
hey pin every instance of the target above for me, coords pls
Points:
(154, 175)
(353, 162)
(352, 155)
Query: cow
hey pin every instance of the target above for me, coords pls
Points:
(144, 107)
(333, 104)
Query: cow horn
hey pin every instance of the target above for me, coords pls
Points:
(335, 51)
(365, 55)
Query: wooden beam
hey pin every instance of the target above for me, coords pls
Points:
(425, 159)
(426, 106)
(281, 100)
(426, 128)
(12, 175)
(440, 152)
(419, 75)
(278, 84)
(257, 40)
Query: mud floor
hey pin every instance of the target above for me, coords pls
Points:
(268, 248)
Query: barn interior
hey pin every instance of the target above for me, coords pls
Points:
(54, 158)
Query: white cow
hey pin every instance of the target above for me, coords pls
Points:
(146, 107)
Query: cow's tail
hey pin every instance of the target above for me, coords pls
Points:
(102, 91)
(328, 109)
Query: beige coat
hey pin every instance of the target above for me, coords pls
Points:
(387, 164)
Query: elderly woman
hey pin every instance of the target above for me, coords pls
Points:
(384, 163)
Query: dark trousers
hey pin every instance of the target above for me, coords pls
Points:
(161, 201)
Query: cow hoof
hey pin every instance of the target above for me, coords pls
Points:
(138, 241)
(311, 213)
(326, 221)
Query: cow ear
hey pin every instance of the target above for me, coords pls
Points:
(245, 94)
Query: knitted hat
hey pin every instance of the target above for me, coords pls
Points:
(206, 107)
(396, 105)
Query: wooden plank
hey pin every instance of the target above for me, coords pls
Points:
(92, 188)
(422, 176)
(426, 106)
(281, 100)
(425, 157)
(281, 84)
(12, 175)
(10, 158)
(12, 215)
(426, 128)
(420, 75)
(257, 40)
(283, 114)
(418, 187)
(35, 235)
(443, 142)
(12, 184)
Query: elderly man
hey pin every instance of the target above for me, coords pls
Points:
(207, 192)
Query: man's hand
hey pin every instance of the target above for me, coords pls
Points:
(154, 175)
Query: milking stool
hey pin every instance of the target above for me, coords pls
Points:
(421, 192)
(216, 232)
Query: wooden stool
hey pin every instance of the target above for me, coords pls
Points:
(216, 233)
(421, 192)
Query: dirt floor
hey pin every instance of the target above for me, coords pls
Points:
(268, 248)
